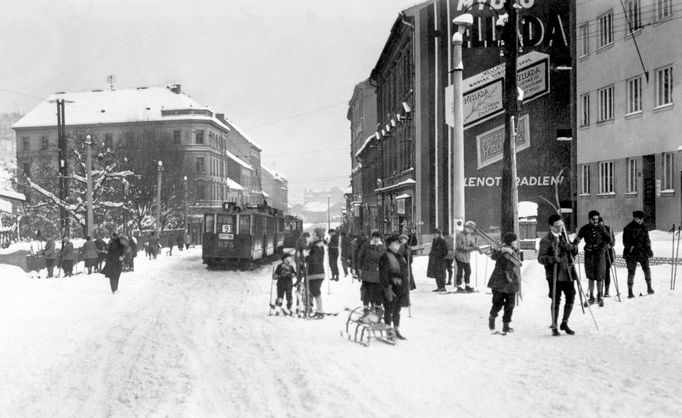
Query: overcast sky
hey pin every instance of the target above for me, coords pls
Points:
(260, 62)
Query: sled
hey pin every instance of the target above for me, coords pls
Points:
(363, 325)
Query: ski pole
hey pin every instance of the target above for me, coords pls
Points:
(615, 274)
(272, 283)
(580, 286)
(672, 258)
(476, 264)
(553, 307)
(677, 255)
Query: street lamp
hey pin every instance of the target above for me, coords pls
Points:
(88, 171)
(462, 22)
(158, 200)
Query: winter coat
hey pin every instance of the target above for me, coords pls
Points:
(334, 242)
(406, 251)
(49, 251)
(597, 242)
(636, 242)
(436, 267)
(132, 247)
(450, 241)
(68, 252)
(566, 251)
(346, 247)
(285, 272)
(392, 265)
(368, 261)
(89, 250)
(113, 266)
(506, 275)
(101, 246)
(359, 242)
(315, 260)
(464, 245)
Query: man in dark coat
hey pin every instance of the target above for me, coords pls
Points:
(394, 280)
(368, 269)
(556, 254)
(67, 256)
(359, 242)
(50, 254)
(597, 242)
(315, 273)
(436, 268)
(637, 249)
(346, 251)
(333, 252)
(504, 282)
(407, 252)
(114, 261)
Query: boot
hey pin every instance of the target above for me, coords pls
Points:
(649, 289)
(506, 329)
(630, 294)
(398, 335)
(491, 323)
(567, 313)
(600, 300)
(555, 332)
(564, 327)
(318, 305)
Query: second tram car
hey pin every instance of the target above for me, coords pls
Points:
(293, 228)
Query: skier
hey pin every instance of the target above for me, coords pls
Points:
(464, 246)
(284, 274)
(610, 257)
(114, 263)
(637, 249)
(393, 278)
(315, 264)
(436, 266)
(504, 282)
(50, 254)
(597, 241)
(333, 252)
(555, 254)
(450, 256)
(346, 252)
(368, 270)
(67, 256)
(89, 251)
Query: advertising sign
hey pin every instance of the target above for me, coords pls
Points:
(490, 144)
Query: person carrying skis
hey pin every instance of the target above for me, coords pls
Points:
(637, 249)
(394, 280)
(284, 274)
(436, 267)
(556, 254)
(315, 272)
(368, 269)
(610, 257)
(504, 282)
(464, 245)
(597, 242)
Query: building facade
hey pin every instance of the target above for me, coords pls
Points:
(628, 143)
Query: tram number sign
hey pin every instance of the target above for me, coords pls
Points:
(227, 229)
(229, 237)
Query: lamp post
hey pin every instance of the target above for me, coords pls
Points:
(88, 172)
(184, 180)
(462, 22)
(158, 200)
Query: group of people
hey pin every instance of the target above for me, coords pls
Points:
(446, 251)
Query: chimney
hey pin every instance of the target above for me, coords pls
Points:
(220, 117)
(176, 88)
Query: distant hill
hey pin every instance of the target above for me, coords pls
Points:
(313, 209)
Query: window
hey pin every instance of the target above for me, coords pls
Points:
(176, 137)
(585, 179)
(664, 86)
(585, 107)
(631, 175)
(606, 178)
(664, 9)
(209, 221)
(634, 15)
(108, 141)
(605, 104)
(199, 136)
(201, 192)
(200, 165)
(26, 142)
(634, 95)
(605, 26)
(584, 36)
(44, 143)
(668, 183)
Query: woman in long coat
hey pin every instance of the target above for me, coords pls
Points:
(89, 254)
(437, 267)
(114, 263)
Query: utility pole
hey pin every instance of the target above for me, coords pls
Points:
(329, 220)
(509, 198)
(63, 167)
(184, 179)
(88, 172)
(158, 200)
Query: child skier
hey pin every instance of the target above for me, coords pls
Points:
(504, 282)
(284, 274)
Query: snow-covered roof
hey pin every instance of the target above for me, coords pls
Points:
(362, 148)
(238, 160)
(233, 185)
(12, 195)
(276, 176)
(119, 106)
(242, 133)
(403, 183)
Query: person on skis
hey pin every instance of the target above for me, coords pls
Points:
(597, 242)
(393, 278)
(504, 282)
(315, 264)
(637, 249)
(284, 274)
(556, 254)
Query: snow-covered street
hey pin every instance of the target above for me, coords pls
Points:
(178, 340)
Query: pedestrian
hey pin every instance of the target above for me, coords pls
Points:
(50, 254)
(284, 274)
(333, 252)
(315, 272)
(504, 282)
(407, 252)
(464, 246)
(371, 293)
(436, 266)
(180, 242)
(359, 242)
(637, 249)
(67, 256)
(413, 241)
(130, 253)
(557, 255)
(114, 261)
(450, 256)
(394, 280)
(346, 252)
(188, 240)
(597, 242)
(153, 245)
(101, 252)
(89, 252)
(610, 257)
(170, 245)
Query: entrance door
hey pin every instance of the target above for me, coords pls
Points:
(649, 184)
